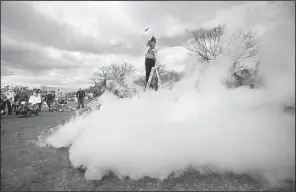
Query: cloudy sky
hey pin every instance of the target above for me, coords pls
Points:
(63, 43)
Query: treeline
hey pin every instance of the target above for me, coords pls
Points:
(121, 80)
(241, 48)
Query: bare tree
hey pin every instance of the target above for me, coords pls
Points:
(141, 81)
(113, 72)
(112, 78)
(171, 76)
(205, 43)
(161, 68)
(100, 78)
(243, 46)
(166, 76)
(119, 72)
(243, 49)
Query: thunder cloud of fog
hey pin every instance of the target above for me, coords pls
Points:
(239, 130)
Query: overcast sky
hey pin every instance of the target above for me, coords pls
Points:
(62, 43)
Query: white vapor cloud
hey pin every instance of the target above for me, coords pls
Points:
(157, 133)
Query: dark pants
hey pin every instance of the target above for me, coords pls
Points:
(14, 107)
(3, 105)
(9, 107)
(48, 103)
(149, 63)
(80, 101)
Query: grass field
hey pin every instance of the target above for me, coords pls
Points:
(24, 166)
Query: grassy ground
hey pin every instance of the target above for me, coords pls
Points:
(24, 166)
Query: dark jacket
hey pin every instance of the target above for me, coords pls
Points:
(49, 97)
(16, 98)
(80, 94)
(2, 104)
(96, 93)
(22, 96)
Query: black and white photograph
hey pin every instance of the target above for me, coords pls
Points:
(147, 96)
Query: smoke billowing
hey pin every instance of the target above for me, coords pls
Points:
(239, 130)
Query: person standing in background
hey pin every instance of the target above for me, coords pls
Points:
(95, 93)
(2, 106)
(80, 97)
(16, 102)
(49, 99)
(39, 95)
(10, 98)
(22, 96)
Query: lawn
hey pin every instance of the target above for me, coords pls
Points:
(25, 166)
